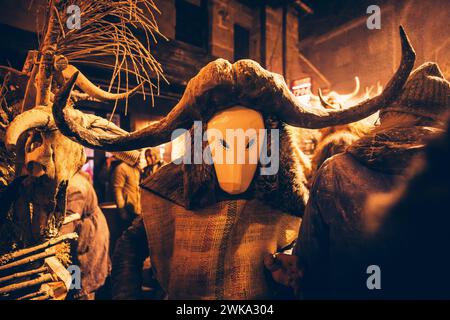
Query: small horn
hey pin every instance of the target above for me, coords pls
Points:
(91, 89)
(349, 96)
(37, 117)
(368, 92)
(324, 103)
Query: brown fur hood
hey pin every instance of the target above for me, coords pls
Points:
(392, 150)
(195, 185)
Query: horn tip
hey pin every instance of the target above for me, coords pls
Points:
(406, 43)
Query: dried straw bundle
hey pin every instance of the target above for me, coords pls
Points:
(123, 30)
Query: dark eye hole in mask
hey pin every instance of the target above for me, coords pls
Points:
(224, 144)
(250, 143)
(35, 141)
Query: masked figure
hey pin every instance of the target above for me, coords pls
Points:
(208, 221)
(332, 247)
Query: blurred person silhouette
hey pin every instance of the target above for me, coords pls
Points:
(125, 180)
(153, 163)
(331, 253)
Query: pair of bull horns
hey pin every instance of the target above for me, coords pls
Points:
(91, 89)
(219, 85)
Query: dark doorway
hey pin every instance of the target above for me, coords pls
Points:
(241, 43)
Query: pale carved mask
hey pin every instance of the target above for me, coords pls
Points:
(235, 139)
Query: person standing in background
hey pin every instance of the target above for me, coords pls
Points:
(153, 163)
(125, 181)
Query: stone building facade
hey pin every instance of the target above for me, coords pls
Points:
(226, 18)
(373, 55)
(197, 32)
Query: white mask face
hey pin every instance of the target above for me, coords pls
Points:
(234, 139)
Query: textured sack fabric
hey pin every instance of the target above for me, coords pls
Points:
(215, 252)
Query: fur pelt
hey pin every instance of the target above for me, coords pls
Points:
(331, 145)
(335, 140)
(392, 150)
(195, 185)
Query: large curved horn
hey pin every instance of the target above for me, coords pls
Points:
(91, 89)
(219, 85)
(37, 117)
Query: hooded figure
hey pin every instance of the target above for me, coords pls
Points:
(411, 238)
(208, 223)
(125, 180)
(92, 247)
(332, 247)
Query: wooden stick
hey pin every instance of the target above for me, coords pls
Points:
(22, 285)
(32, 295)
(48, 49)
(27, 103)
(71, 218)
(49, 243)
(44, 297)
(47, 253)
(23, 274)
